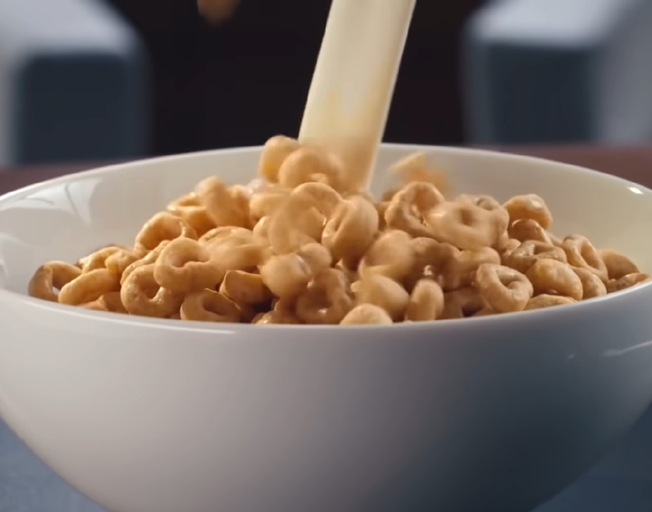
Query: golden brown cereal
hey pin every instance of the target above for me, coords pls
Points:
(464, 225)
(190, 209)
(88, 287)
(555, 277)
(461, 269)
(162, 227)
(410, 206)
(286, 275)
(383, 292)
(391, 255)
(185, 266)
(274, 153)
(547, 301)
(226, 206)
(309, 164)
(52, 276)
(529, 252)
(245, 288)
(351, 229)
(148, 259)
(142, 295)
(209, 306)
(417, 167)
(581, 253)
(426, 301)
(462, 303)
(299, 245)
(529, 206)
(529, 229)
(627, 282)
(118, 262)
(503, 289)
(592, 285)
(618, 265)
(366, 314)
(326, 300)
(97, 260)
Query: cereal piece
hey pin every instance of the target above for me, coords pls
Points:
(391, 255)
(225, 206)
(627, 281)
(49, 277)
(238, 251)
(162, 227)
(118, 262)
(529, 206)
(499, 214)
(97, 260)
(503, 289)
(109, 302)
(383, 292)
(409, 207)
(462, 303)
(326, 300)
(286, 275)
(547, 301)
(274, 153)
(293, 225)
(417, 167)
(461, 268)
(276, 317)
(430, 260)
(592, 285)
(463, 224)
(245, 288)
(581, 253)
(548, 276)
(142, 295)
(618, 265)
(426, 301)
(88, 287)
(528, 253)
(185, 266)
(190, 209)
(148, 259)
(366, 314)
(528, 229)
(351, 229)
(310, 164)
(209, 306)
(267, 203)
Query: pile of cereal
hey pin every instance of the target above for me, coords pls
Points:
(296, 247)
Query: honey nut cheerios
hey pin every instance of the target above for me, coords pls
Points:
(295, 246)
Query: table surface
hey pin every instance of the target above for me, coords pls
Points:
(622, 482)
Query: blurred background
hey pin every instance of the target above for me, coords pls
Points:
(98, 80)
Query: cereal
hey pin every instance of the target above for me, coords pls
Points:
(618, 265)
(209, 306)
(53, 275)
(552, 276)
(503, 289)
(426, 301)
(295, 246)
(383, 292)
(185, 266)
(88, 287)
(366, 314)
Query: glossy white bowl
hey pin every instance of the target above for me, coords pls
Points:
(495, 413)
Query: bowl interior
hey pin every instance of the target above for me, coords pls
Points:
(67, 218)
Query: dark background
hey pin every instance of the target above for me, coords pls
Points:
(239, 83)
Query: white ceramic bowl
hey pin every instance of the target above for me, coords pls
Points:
(494, 413)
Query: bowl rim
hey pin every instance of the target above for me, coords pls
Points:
(165, 324)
